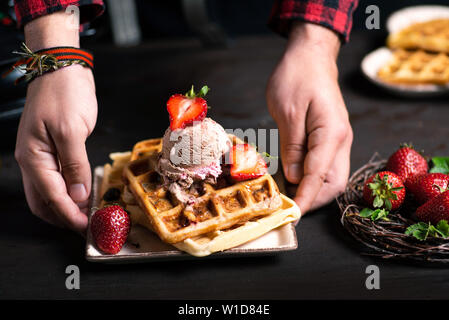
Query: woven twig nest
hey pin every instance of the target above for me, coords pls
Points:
(386, 238)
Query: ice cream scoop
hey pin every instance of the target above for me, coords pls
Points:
(192, 154)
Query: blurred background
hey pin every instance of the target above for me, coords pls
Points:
(214, 24)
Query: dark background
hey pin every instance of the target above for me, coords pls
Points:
(132, 96)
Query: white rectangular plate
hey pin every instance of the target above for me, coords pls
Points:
(143, 245)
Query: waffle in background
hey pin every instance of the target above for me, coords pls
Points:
(431, 35)
(416, 67)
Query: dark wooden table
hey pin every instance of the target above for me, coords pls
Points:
(132, 93)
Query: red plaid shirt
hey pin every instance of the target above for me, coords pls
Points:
(333, 14)
(27, 10)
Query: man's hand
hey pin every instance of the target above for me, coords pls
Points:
(304, 99)
(60, 113)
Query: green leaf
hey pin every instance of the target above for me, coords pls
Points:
(190, 93)
(204, 90)
(388, 204)
(422, 231)
(374, 214)
(443, 228)
(374, 185)
(440, 165)
(418, 230)
(366, 212)
(378, 202)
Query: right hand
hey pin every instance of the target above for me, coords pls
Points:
(60, 113)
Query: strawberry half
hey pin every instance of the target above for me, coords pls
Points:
(435, 210)
(184, 109)
(246, 163)
(110, 228)
(407, 163)
(384, 190)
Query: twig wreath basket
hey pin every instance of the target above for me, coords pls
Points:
(386, 238)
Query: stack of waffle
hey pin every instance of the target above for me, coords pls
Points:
(225, 215)
(420, 54)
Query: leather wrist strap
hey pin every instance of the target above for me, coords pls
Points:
(46, 60)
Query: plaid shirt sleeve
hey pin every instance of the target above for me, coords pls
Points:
(333, 14)
(27, 10)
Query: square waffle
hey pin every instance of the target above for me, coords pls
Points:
(416, 67)
(430, 35)
(201, 245)
(217, 208)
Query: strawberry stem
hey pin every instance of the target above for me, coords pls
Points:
(201, 94)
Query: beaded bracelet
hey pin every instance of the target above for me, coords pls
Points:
(42, 61)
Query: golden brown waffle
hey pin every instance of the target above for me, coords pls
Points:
(146, 148)
(416, 67)
(430, 35)
(201, 245)
(220, 240)
(215, 208)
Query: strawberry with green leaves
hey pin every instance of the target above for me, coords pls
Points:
(384, 190)
(407, 163)
(184, 109)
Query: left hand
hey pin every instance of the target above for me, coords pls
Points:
(304, 98)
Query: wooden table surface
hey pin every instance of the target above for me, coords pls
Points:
(132, 93)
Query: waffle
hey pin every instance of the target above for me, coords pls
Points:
(201, 245)
(430, 35)
(220, 240)
(216, 208)
(416, 67)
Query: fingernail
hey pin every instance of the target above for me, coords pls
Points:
(78, 192)
(293, 172)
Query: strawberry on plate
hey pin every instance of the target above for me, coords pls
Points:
(428, 186)
(407, 163)
(246, 163)
(184, 109)
(435, 209)
(110, 228)
(384, 190)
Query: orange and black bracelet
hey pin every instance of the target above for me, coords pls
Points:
(42, 61)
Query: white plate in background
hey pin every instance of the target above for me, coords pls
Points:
(410, 15)
(373, 61)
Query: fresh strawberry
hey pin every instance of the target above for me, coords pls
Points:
(435, 210)
(110, 227)
(184, 109)
(407, 163)
(428, 186)
(246, 163)
(384, 190)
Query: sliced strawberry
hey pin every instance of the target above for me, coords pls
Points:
(183, 110)
(246, 163)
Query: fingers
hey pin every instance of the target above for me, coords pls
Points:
(48, 192)
(37, 206)
(75, 167)
(317, 162)
(293, 150)
(337, 176)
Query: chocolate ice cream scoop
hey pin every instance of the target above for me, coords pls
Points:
(193, 154)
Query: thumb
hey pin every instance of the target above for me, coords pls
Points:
(75, 169)
(293, 150)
